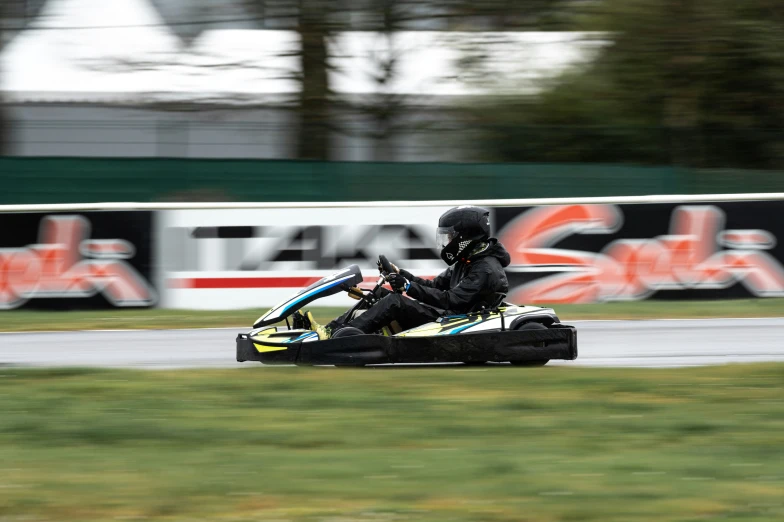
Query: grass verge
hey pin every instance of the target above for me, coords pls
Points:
(307, 444)
(34, 320)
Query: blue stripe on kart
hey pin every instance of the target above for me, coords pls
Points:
(304, 336)
(314, 291)
(459, 329)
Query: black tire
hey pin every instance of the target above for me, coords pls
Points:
(347, 331)
(531, 364)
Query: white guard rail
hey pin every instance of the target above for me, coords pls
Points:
(614, 200)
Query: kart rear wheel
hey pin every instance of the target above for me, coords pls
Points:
(532, 364)
(346, 331)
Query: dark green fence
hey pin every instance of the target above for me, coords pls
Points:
(77, 180)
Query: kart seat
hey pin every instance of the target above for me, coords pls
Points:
(491, 302)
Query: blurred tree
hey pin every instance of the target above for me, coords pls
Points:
(319, 21)
(689, 83)
(314, 21)
(314, 27)
(188, 19)
(15, 15)
(385, 113)
(321, 113)
(4, 119)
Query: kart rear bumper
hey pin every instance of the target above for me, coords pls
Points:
(557, 342)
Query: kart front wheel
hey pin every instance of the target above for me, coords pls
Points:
(532, 364)
(348, 331)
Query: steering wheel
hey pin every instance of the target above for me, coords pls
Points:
(386, 266)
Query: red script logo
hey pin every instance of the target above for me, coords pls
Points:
(697, 253)
(66, 264)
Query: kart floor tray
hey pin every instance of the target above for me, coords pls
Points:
(556, 342)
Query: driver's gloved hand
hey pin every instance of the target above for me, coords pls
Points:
(405, 273)
(398, 282)
(381, 269)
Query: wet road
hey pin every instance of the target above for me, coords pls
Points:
(658, 343)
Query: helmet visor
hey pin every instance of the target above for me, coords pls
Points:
(444, 236)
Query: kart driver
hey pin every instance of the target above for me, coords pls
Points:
(475, 277)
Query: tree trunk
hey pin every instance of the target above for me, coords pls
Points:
(4, 120)
(5, 129)
(314, 109)
(14, 17)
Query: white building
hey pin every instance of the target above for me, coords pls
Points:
(92, 77)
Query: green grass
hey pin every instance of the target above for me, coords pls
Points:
(328, 445)
(27, 320)
(121, 319)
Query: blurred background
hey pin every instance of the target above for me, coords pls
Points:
(686, 96)
(389, 100)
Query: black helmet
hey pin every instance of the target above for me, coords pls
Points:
(459, 230)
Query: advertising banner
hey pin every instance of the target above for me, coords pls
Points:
(599, 253)
(76, 261)
(255, 258)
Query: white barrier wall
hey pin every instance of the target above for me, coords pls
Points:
(254, 258)
(218, 256)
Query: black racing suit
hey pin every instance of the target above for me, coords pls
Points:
(459, 289)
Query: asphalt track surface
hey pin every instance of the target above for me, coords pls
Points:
(657, 343)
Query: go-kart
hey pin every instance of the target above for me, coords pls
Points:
(494, 332)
